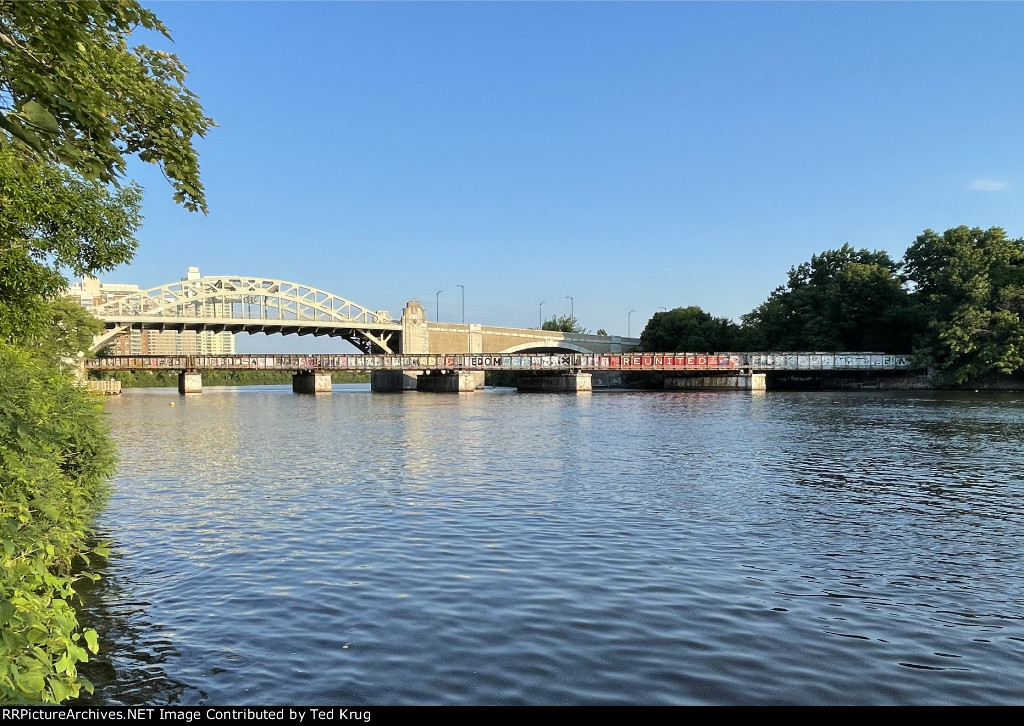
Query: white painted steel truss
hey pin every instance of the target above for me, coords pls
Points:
(247, 304)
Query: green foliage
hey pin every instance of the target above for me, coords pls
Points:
(969, 286)
(53, 220)
(602, 331)
(55, 458)
(69, 331)
(956, 300)
(73, 91)
(843, 299)
(564, 324)
(75, 102)
(688, 330)
(682, 330)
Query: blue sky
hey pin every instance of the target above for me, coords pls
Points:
(635, 156)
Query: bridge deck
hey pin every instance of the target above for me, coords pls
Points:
(663, 362)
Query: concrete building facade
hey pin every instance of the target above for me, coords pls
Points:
(90, 293)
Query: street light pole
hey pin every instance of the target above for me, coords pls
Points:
(629, 323)
(463, 290)
(437, 306)
(572, 308)
(540, 316)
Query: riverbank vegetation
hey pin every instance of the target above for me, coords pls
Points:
(955, 301)
(75, 100)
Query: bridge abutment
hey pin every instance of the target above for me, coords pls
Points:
(727, 382)
(555, 383)
(311, 382)
(190, 382)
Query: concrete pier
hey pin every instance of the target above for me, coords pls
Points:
(314, 382)
(556, 383)
(190, 382)
(393, 381)
(107, 388)
(726, 382)
(447, 382)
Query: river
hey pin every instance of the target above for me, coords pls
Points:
(611, 548)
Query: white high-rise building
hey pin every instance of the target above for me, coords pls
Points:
(91, 293)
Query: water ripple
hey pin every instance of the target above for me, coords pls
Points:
(619, 548)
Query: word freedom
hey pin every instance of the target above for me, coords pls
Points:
(295, 715)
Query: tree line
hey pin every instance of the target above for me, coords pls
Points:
(955, 301)
(78, 97)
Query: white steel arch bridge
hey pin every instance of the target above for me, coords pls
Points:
(252, 305)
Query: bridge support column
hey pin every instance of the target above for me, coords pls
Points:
(556, 382)
(316, 382)
(393, 381)
(726, 382)
(190, 382)
(447, 382)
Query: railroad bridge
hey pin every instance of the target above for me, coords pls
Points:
(414, 353)
(535, 371)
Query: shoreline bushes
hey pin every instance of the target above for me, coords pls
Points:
(55, 460)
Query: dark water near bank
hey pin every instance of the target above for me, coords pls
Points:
(614, 548)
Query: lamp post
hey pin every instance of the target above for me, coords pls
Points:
(437, 306)
(629, 323)
(540, 316)
(572, 306)
(463, 291)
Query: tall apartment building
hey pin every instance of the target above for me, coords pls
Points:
(91, 293)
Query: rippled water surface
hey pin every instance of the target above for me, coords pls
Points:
(613, 548)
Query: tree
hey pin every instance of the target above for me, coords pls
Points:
(74, 92)
(843, 299)
(564, 324)
(75, 102)
(969, 286)
(52, 220)
(70, 331)
(689, 330)
(55, 457)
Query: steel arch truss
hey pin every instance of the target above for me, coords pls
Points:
(248, 304)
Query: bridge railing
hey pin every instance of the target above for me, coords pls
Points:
(664, 362)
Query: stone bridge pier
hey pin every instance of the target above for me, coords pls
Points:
(541, 382)
(313, 382)
(731, 381)
(190, 382)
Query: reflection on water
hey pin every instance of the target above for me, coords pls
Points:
(621, 548)
(129, 668)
